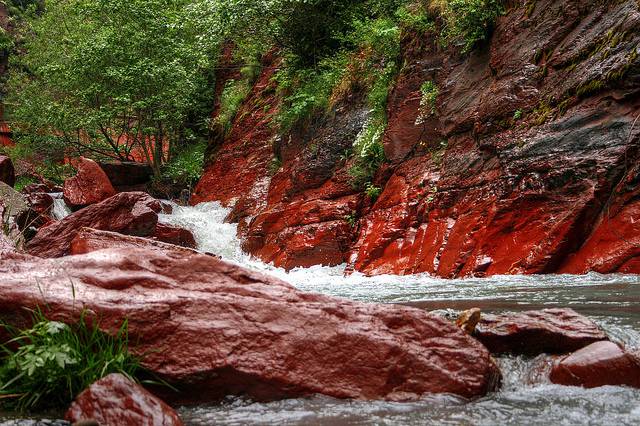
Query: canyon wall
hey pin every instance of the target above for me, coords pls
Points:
(528, 165)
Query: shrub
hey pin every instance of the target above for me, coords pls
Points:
(372, 191)
(185, 168)
(54, 362)
(469, 21)
(429, 92)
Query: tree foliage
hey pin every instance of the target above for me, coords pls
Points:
(110, 77)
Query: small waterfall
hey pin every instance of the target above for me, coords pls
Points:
(60, 209)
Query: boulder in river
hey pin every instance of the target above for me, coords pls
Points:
(599, 364)
(214, 329)
(174, 235)
(131, 213)
(89, 240)
(90, 185)
(556, 331)
(7, 172)
(116, 400)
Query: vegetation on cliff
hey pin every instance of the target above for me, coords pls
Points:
(133, 79)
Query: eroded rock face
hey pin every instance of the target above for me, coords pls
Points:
(526, 166)
(7, 172)
(554, 331)
(90, 186)
(216, 329)
(599, 364)
(116, 400)
(130, 213)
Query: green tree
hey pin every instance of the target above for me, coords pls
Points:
(112, 77)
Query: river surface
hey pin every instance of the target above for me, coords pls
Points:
(526, 397)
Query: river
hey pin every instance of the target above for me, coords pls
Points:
(526, 397)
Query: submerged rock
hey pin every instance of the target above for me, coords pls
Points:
(90, 186)
(131, 213)
(555, 331)
(214, 329)
(116, 400)
(599, 364)
(7, 172)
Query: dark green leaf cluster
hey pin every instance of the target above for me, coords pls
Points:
(50, 363)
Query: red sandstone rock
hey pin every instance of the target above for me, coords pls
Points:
(247, 151)
(599, 364)
(554, 331)
(89, 240)
(216, 329)
(174, 235)
(90, 186)
(116, 400)
(131, 213)
(471, 190)
(7, 172)
(125, 173)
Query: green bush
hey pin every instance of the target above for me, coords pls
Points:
(469, 21)
(185, 168)
(54, 362)
(429, 95)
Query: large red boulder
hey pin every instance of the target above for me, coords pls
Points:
(174, 235)
(213, 329)
(131, 213)
(555, 331)
(91, 185)
(7, 172)
(89, 240)
(599, 364)
(116, 400)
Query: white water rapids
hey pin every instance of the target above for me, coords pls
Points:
(525, 398)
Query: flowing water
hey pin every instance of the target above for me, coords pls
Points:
(60, 209)
(526, 397)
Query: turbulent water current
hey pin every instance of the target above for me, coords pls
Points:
(526, 397)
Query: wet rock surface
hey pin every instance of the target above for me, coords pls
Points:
(599, 364)
(174, 235)
(116, 400)
(7, 172)
(90, 185)
(554, 331)
(215, 329)
(89, 240)
(130, 213)
(526, 166)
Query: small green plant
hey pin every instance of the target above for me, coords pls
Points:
(24, 181)
(372, 191)
(415, 17)
(429, 92)
(234, 93)
(369, 154)
(352, 219)
(469, 21)
(517, 115)
(275, 165)
(185, 168)
(54, 362)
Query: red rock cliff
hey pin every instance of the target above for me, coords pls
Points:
(529, 165)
